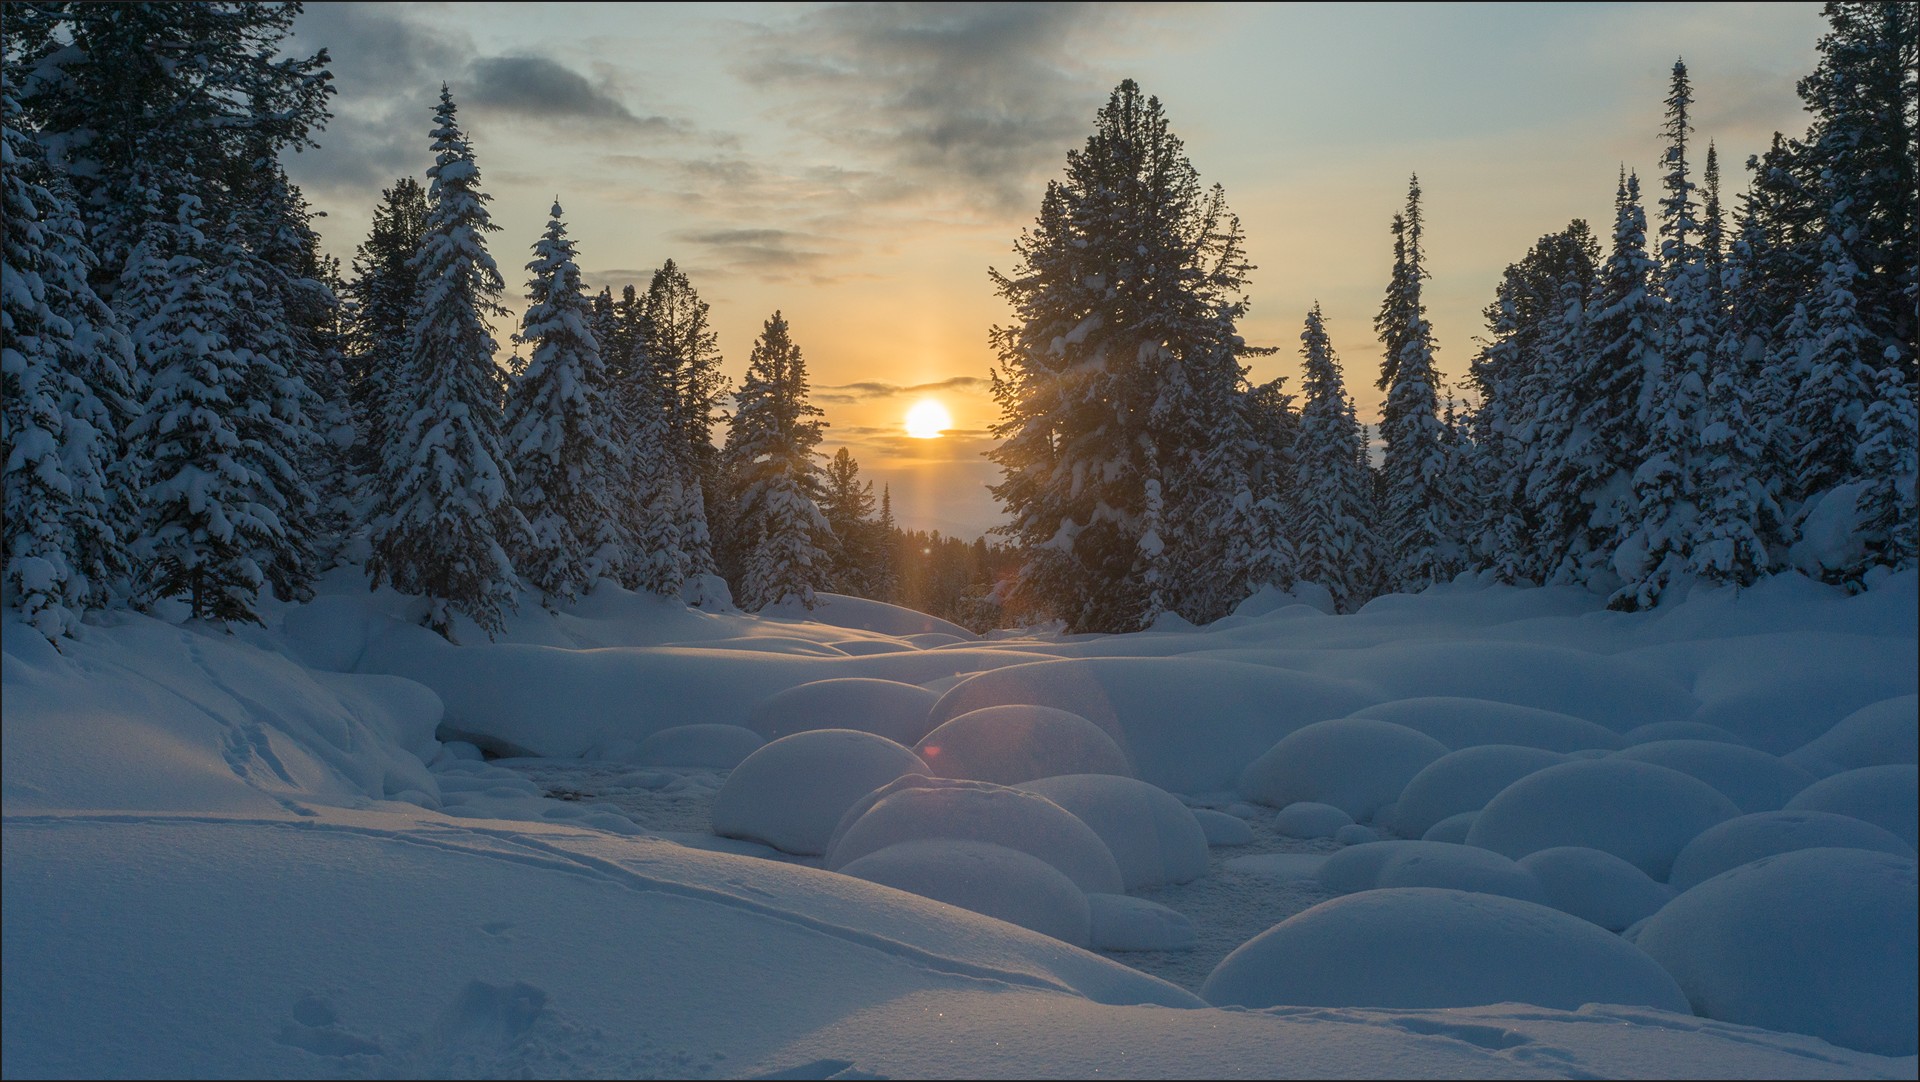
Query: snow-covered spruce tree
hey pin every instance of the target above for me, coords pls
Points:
(186, 91)
(1888, 466)
(1555, 444)
(1837, 355)
(780, 534)
(1330, 506)
(674, 331)
(562, 436)
(1267, 551)
(446, 519)
(1124, 294)
(848, 503)
(63, 357)
(380, 298)
(1421, 540)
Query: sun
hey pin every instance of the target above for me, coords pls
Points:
(926, 420)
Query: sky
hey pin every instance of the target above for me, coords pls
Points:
(861, 167)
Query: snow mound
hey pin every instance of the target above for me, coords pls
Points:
(1188, 724)
(1121, 923)
(1678, 730)
(1464, 781)
(1221, 828)
(1464, 723)
(1746, 839)
(1310, 819)
(886, 708)
(1153, 837)
(1453, 829)
(1751, 944)
(1886, 733)
(1886, 796)
(1354, 764)
(715, 747)
(791, 793)
(1753, 780)
(1013, 744)
(1001, 883)
(1425, 947)
(1617, 692)
(1642, 813)
(1595, 886)
(860, 614)
(1395, 863)
(981, 812)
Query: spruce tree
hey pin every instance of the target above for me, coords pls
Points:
(1887, 464)
(1421, 539)
(1331, 514)
(1119, 378)
(848, 504)
(380, 299)
(561, 435)
(63, 358)
(446, 520)
(671, 327)
(780, 534)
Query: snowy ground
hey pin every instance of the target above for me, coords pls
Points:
(1688, 843)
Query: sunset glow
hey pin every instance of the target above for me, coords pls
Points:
(927, 420)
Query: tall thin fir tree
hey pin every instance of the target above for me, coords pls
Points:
(1561, 454)
(1888, 465)
(380, 299)
(447, 521)
(561, 435)
(848, 504)
(1664, 521)
(65, 358)
(671, 327)
(775, 483)
(1422, 541)
(1331, 507)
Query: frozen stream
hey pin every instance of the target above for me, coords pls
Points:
(1228, 905)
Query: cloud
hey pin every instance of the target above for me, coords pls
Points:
(543, 89)
(774, 254)
(974, 100)
(842, 394)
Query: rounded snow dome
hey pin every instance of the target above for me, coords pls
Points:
(1595, 886)
(1310, 819)
(1740, 841)
(1753, 780)
(1396, 863)
(882, 707)
(1678, 730)
(1886, 733)
(1454, 829)
(1463, 781)
(1816, 941)
(1002, 883)
(1354, 764)
(1153, 837)
(791, 793)
(1886, 796)
(982, 812)
(1008, 745)
(712, 747)
(1460, 722)
(1422, 947)
(1642, 813)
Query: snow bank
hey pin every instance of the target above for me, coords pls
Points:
(1746, 839)
(1886, 796)
(1223, 829)
(1121, 923)
(1189, 724)
(1354, 764)
(1423, 947)
(1642, 813)
(1153, 837)
(980, 812)
(886, 708)
(1816, 941)
(861, 614)
(1001, 883)
(791, 793)
(1310, 819)
(1008, 745)
(1397, 863)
